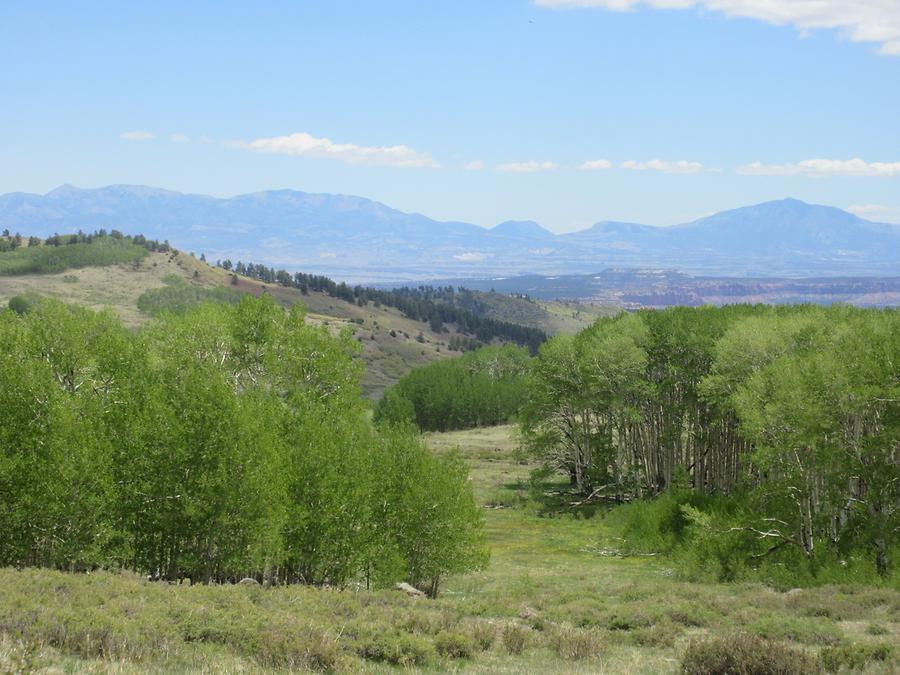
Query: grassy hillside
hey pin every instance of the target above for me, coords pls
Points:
(392, 344)
(551, 316)
(557, 597)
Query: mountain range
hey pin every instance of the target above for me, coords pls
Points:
(359, 239)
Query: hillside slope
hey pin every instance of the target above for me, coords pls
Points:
(117, 287)
(391, 343)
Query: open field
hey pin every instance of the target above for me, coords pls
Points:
(555, 598)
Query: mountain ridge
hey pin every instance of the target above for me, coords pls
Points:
(362, 239)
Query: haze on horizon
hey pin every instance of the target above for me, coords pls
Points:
(561, 111)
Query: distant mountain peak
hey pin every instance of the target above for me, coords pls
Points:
(63, 190)
(521, 228)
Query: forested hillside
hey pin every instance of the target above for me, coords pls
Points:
(436, 306)
(787, 418)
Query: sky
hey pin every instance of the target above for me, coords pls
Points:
(566, 112)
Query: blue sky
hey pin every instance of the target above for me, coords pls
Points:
(562, 111)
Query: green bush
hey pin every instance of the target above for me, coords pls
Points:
(855, 657)
(515, 638)
(575, 643)
(399, 649)
(179, 297)
(20, 304)
(484, 634)
(454, 645)
(745, 655)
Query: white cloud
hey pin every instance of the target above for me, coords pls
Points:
(305, 145)
(136, 136)
(819, 168)
(204, 139)
(681, 166)
(876, 21)
(477, 165)
(877, 212)
(179, 138)
(472, 257)
(596, 165)
(526, 167)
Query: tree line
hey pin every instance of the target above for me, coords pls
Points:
(227, 442)
(435, 306)
(795, 410)
(61, 252)
(480, 388)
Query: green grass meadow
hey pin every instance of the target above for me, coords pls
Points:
(556, 597)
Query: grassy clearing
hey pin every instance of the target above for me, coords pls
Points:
(556, 598)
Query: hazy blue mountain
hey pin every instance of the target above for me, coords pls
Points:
(360, 239)
(526, 229)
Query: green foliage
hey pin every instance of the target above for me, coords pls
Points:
(20, 304)
(574, 644)
(398, 649)
(745, 655)
(226, 442)
(50, 259)
(515, 638)
(856, 657)
(429, 507)
(481, 388)
(179, 297)
(454, 645)
(792, 413)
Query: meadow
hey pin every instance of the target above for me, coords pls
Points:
(558, 596)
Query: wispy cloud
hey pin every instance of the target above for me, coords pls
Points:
(819, 168)
(302, 144)
(179, 138)
(875, 21)
(531, 166)
(681, 166)
(596, 165)
(136, 136)
(204, 139)
(877, 212)
(477, 165)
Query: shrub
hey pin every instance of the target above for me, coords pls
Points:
(807, 630)
(454, 645)
(179, 297)
(745, 655)
(515, 638)
(309, 648)
(399, 649)
(575, 644)
(19, 304)
(854, 657)
(484, 634)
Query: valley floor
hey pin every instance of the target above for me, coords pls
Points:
(555, 598)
